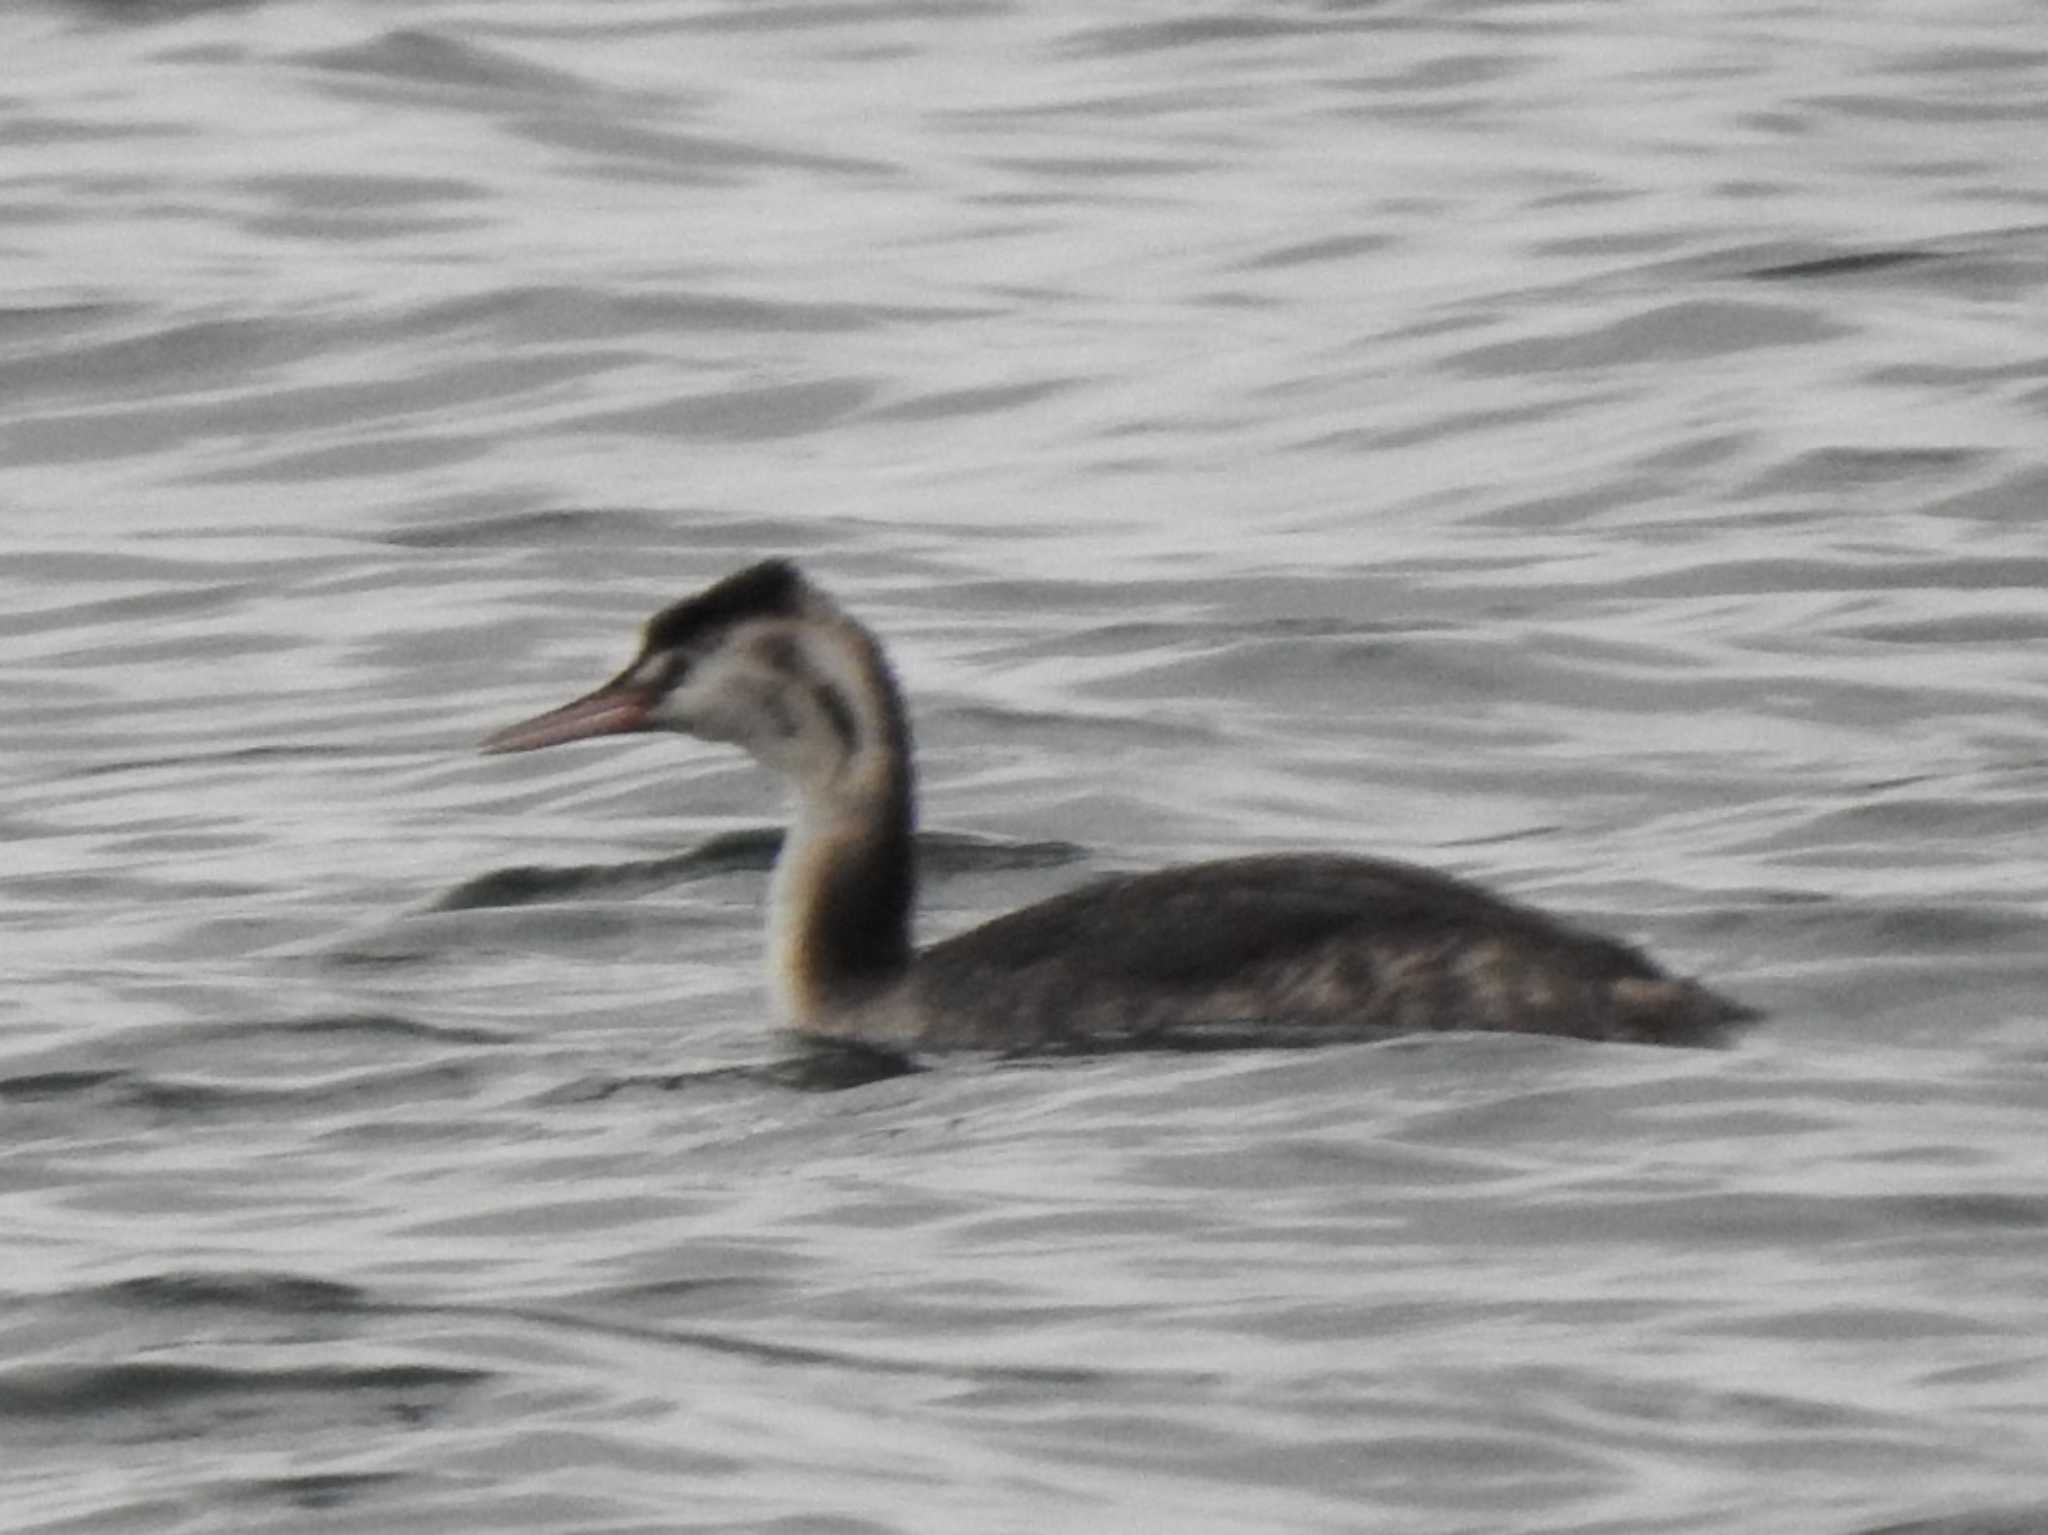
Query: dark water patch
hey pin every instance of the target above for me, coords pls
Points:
(1053, 728)
(331, 194)
(1322, 668)
(145, 1401)
(715, 1080)
(274, 1294)
(724, 312)
(834, 1066)
(1392, 1168)
(808, 1066)
(1314, 252)
(317, 1492)
(149, 12)
(1456, 426)
(1447, 72)
(972, 402)
(553, 316)
(1709, 1222)
(31, 131)
(700, 530)
(1176, 642)
(1996, 629)
(45, 1086)
(692, 159)
(100, 565)
(598, 527)
(417, 57)
(109, 889)
(593, 930)
(1974, 1211)
(127, 651)
(1397, 1446)
(837, 15)
(2011, 1521)
(387, 456)
(1608, 245)
(199, 1099)
(1967, 59)
(88, 438)
(1134, 105)
(1945, 376)
(264, 756)
(1923, 108)
(251, 1043)
(1980, 276)
(1452, 1468)
(944, 854)
(1826, 470)
(1841, 1323)
(1570, 509)
(167, 1099)
(753, 851)
(1794, 574)
(1976, 811)
(738, 415)
(1230, 298)
(446, 390)
(1934, 1001)
(1882, 830)
(869, 1363)
(1705, 452)
(1041, 595)
(373, 1026)
(189, 356)
(142, 607)
(1682, 332)
(1126, 38)
(39, 321)
(661, 1295)
(355, 225)
(2020, 498)
(1069, 168)
(1538, 832)
(1849, 264)
(1222, 1036)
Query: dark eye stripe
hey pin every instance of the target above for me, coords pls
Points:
(782, 652)
(837, 714)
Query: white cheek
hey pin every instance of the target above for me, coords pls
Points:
(687, 708)
(710, 704)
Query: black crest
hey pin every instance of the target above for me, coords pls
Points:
(771, 589)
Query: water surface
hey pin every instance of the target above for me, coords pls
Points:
(1595, 450)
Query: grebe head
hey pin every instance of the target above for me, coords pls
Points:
(762, 659)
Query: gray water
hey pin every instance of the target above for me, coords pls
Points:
(1597, 449)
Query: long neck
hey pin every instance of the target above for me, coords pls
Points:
(844, 886)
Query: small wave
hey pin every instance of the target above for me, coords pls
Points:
(131, 1091)
(271, 1293)
(91, 1391)
(751, 851)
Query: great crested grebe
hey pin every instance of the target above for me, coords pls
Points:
(1287, 949)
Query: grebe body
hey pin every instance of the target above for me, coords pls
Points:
(1290, 949)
